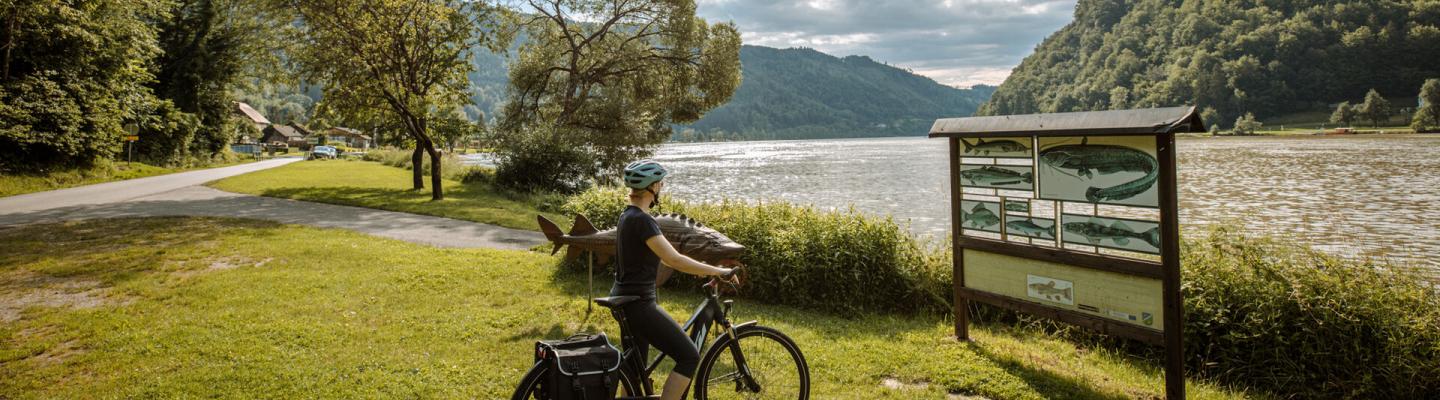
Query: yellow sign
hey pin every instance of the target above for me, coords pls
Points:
(132, 138)
(1119, 297)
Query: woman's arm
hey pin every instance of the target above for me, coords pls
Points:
(681, 262)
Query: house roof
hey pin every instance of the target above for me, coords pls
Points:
(249, 113)
(1140, 121)
(343, 131)
(291, 132)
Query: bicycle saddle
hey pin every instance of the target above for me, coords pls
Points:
(615, 301)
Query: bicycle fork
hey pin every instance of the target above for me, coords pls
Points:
(747, 380)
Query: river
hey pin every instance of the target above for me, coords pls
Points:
(1354, 196)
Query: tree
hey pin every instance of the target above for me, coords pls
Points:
(208, 47)
(1427, 116)
(1246, 125)
(608, 78)
(409, 57)
(1343, 114)
(1376, 108)
(71, 75)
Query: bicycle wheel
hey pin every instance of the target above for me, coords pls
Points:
(771, 361)
(529, 388)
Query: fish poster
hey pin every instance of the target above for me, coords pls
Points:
(1031, 227)
(1050, 289)
(980, 215)
(1120, 170)
(1114, 233)
(1017, 206)
(1002, 147)
(1010, 177)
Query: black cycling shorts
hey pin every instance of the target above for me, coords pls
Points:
(651, 326)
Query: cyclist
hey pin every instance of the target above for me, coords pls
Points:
(639, 251)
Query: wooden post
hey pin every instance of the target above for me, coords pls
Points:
(960, 306)
(1170, 260)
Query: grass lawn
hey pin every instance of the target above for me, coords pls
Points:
(11, 185)
(374, 185)
(225, 308)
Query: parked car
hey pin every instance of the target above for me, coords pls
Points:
(319, 152)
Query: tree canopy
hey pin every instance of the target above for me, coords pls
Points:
(1265, 57)
(608, 78)
(1427, 116)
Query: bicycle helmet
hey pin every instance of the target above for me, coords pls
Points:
(640, 174)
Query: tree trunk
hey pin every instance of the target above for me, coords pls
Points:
(417, 164)
(9, 43)
(436, 192)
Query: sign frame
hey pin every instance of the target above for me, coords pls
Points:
(1160, 123)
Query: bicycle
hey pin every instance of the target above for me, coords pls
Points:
(761, 362)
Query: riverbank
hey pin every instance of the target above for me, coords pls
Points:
(195, 307)
(105, 171)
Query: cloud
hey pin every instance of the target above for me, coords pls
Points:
(955, 42)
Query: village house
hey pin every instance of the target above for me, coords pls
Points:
(346, 136)
(290, 135)
(253, 118)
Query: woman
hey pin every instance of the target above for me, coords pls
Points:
(639, 251)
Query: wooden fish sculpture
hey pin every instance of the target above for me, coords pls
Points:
(688, 236)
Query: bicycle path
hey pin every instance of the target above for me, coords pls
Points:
(181, 194)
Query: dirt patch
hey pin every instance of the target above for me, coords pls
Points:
(57, 354)
(36, 290)
(236, 262)
(893, 383)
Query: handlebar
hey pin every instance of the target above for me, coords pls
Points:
(733, 280)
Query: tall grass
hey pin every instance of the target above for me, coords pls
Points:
(1259, 313)
(450, 165)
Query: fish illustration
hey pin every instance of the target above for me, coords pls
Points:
(998, 146)
(1028, 227)
(991, 175)
(1089, 159)
(979, 217)
(1017, 206)
(689, 237)
(1048, 291)
(1117, 232)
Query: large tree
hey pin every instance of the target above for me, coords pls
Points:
(1343, 115)
(209, 47)
(1376, 108)
(607, 79)
(1427, 116)
(408, 56)
(72, 73)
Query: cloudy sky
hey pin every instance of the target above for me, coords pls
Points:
(955, 42)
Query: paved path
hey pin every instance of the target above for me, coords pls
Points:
(181, 194)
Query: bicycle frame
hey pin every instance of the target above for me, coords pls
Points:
(711, 312)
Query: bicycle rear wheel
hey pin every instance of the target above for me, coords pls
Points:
(529, 388)
(772, 363)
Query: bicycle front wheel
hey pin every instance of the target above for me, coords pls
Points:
(758, 363)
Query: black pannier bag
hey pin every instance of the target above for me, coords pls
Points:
(582, 367)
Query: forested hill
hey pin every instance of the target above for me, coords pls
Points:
(1236, 56)
(801, 93)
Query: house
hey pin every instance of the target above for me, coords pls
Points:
(248, 115)
(291, 135)
(348, 137)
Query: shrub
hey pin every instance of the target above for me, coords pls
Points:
(842, 262)
(536, 164)
(1270, 314)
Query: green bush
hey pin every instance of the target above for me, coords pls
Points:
(1296, 321)
(842, 262)
(532, 163)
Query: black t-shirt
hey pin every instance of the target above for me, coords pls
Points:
(636, 264)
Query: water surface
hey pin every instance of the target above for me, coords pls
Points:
(1355, 196)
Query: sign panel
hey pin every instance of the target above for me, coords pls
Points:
(1119, 170)
(1009, 177)
(1114, 233)
(132, 138)
(1031, 227)
(981, 215)
(1004, 147)
(1113, 296)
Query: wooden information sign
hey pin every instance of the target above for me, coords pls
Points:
(1072, 217)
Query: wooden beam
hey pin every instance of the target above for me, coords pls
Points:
(1170, 257)
(959, 307)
